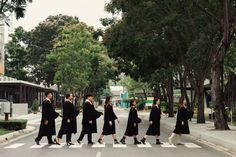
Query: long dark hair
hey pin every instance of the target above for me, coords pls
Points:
(108, 98)
(181, 102)
(155, 101)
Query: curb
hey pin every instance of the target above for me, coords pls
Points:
(201, 136)
(15, 134)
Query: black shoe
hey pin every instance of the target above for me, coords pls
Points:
(122, 141)
(51, 143)
(70, 143)
(143, 140)
(79, 142)
(91, 143)
(136, 141)
(37, 141)
(56, 141)
(116, 142)
(100, 141)
(158, 142)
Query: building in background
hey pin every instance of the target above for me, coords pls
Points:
(13, 90)
(6, 28)
(120, 95)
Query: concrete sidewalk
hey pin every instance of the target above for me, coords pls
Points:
(203, 132)
(33, 121)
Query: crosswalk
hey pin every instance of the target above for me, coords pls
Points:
(97, 145)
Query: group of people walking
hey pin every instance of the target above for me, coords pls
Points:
(90, 116)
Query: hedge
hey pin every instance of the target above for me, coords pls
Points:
(14, 124)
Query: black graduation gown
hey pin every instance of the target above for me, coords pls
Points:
(89, 114)
(133, 118)
(155, 117)
(48, 113)
(109, 116)
(69, 112)
(183, 116)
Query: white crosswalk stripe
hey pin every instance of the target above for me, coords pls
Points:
(39, 146)
(147, 145)
(192, 145)
(167, 145)
(97, 145)
(16, 145)
(119, 145)
(57, 146)
(76, 146)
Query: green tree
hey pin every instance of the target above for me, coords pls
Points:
(41, 44)
(155, 35)
(16, 60)
(81, 62)
(223, 15)
(134, 86)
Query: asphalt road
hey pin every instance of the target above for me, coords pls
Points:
(23, 146)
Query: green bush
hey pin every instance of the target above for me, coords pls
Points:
(35, 106)
(29, 110)
(15, 124)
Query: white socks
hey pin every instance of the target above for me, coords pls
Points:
(178, 136)
(171, 137)
(179, 142)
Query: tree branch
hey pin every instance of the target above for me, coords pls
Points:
(2, 5)
(205, 10)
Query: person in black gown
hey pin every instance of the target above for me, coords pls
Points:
(181, 126)
(69, 122)
(109, 127)
(132, 125)
(47, 125)
(154, 120)
(89, 121)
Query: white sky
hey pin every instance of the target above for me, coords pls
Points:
(88, 11)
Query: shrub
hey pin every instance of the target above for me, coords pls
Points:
(35, 106)
(15, 124)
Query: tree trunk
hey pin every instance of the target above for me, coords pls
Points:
(157, 93)
(145, 94)
(164, 96)
(185, 94)
(219, 108)
(217, 58)
(164, 93)
(200, 103)
(193, 101)
(170, 95)
(217, 63)
(230, 93)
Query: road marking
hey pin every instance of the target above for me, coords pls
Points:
(147, 145)
(99, 154)
(167, 145)
(16, 145)
(57, 146)
(192, 145)
(39, 146)
(97, 145)
(76, 146)
(119, 146)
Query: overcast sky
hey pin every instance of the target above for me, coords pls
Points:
(89, 11)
